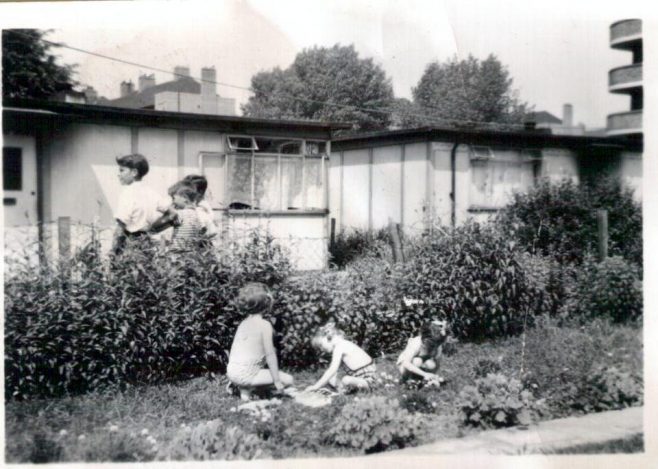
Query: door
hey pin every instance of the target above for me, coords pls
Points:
(19, 180)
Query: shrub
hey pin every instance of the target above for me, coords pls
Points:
(374, 424)
(559, 220)
(474, 277)
(418, 400)
(214, 440)
(498, 401)
(612, 389)
(350, 245)
(486, 366)
(560, 362)
(610, 289)
(148, 318)
(117, 446)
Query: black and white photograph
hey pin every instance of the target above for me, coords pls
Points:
(289, 234)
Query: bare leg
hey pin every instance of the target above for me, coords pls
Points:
(264, 378)
(351, 382)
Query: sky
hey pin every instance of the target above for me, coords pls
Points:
(557, 52)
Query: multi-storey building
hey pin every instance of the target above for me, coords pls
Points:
(627, 35)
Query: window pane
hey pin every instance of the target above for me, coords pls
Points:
(239, 181)
(241, 144)
(278, 145)
(313, 179)
(316, 148)
(480, 191)
(494, 181)
(12, 166)
(291, 182)
(266, 187)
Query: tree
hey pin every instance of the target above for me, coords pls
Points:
(327, 84)
(29, 69)
(468, 90)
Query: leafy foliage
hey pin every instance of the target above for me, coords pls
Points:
(474, 278)
(612, 389)
(214, 440)
(146, 319)
(610, 289)
(559, 220)
(350, 245)
(561, 363)
(374, 424)
(468, 90)
(29, 68)
(327, 84)
(498, 401)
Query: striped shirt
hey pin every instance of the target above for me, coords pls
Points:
(186, 234)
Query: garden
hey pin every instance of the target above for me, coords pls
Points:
(125, 361)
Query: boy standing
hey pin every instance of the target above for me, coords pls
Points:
(138, 205)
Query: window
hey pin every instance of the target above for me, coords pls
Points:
(496, 175)
(12, 169)
(276, 173)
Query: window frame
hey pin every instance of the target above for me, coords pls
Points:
(304, 155)
(16, 175)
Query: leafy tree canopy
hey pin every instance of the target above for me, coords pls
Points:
(29, 69)
(468, 90)
(328, 84)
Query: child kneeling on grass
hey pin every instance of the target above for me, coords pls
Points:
(359, 366)
(253, 346)
(420, 358)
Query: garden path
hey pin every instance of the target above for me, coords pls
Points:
(545, 436)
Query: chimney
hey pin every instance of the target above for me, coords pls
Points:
(530, 122)
(91, 95)
(208, 85)
(567, 115)
(126, 88)
(181, 71)
(146, 81)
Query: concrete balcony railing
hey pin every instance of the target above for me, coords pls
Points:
(624, 123)
(625, 31)
(623, 78)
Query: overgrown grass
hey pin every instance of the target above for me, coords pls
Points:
(634, 444)
(141, 423)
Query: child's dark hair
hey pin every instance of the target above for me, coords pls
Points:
(135, 161)
(199, 182)
(187, 192)
(254, 298)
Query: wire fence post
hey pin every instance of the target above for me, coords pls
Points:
(64, 237)
(602, 223)
(395, 242)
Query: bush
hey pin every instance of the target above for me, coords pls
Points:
(419, 400)
(497, 401)
(486, 366)
(374, 424)
(214, 440)
(350, 245)
(474, 277)
(612, 389)
(147, 318)
(559, 220)
(561, 362)
(117, 446)
(611, 289)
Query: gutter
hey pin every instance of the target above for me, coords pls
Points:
(453, 184)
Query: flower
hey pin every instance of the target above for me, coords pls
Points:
(144, 432)
(114, 428)
(63, 432)
(82, 437)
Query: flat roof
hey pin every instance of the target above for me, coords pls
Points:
(13, 108)
(537, 138)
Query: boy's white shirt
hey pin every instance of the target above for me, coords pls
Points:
(410, 351)
(206, 217)
(139, 206)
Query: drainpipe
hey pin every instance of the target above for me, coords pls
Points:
(453, 184)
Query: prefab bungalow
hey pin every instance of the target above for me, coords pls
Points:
(59, 164)
(434, 175)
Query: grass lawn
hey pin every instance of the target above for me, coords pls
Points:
(143, 423)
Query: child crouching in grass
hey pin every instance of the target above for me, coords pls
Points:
(359, 366)
(420, 358)
(253, 347)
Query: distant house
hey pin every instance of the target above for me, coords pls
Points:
(564, 126)
(415, 176)
(59, 161)
(184, 94)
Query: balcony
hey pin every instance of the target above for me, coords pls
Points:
(626, 34)
(624, 79)
(624, 123)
